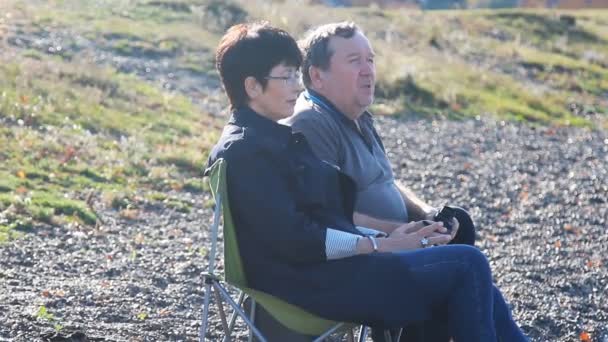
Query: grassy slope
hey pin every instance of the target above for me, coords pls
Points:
(71, 129)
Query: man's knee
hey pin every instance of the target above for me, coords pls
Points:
(475, 259)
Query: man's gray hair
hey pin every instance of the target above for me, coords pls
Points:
(315, 46)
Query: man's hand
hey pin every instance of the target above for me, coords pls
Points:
(430, 215)
(455, 226)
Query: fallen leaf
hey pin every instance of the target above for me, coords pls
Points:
(139, 238)
(455, 106)
(68, 154)
(24, 99)
(523, 196)
(46, 293)
(571, 229)
(164, 312)
(130, 214)
(558, 244)
(175, 233)
(585, 337)
(21, 174)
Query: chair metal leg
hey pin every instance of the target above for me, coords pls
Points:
(205, 318)
(363, 333)
(214, 232)
(398, 336)
(328, 332)
(387, 336)
(209, 281)
(350, 336)
(252, 318)
(218, 298)
(234, 314)
(240, 312)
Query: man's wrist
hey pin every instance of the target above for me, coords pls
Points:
(430, 213)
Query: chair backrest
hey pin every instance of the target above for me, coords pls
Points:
(233, 266)
(289, 315)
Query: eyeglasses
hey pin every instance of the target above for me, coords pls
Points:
(294, 79)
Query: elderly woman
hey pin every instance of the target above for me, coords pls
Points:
(293, 214)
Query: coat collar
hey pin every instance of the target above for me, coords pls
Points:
(248, 118)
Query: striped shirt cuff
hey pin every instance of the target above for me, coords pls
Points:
(339, 244)
(372, 232)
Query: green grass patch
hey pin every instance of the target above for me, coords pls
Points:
(71, 131)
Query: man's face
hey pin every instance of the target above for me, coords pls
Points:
(350, 80)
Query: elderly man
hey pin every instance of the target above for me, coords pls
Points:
(339, 76)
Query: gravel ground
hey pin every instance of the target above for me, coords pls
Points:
(539, 196)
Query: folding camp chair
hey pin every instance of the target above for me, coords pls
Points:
(290, 316)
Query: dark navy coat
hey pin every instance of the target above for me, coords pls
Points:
(282, 200)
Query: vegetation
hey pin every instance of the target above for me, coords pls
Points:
(476, 63)
(74, 130)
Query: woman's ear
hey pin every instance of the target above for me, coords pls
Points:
(253, 88)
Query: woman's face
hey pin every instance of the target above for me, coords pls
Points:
(277, 101)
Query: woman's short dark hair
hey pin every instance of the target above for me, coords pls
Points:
(315, 46)
(252, 49)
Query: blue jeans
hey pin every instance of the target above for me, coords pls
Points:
(450, 287)
(458, 280)
(438, 327)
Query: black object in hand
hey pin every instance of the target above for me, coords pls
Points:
(445, 215)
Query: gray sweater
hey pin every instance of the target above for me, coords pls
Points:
(358, 152)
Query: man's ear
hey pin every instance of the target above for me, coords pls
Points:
(316, 77)
(253, 88)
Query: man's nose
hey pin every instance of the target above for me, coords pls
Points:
(367, 69)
